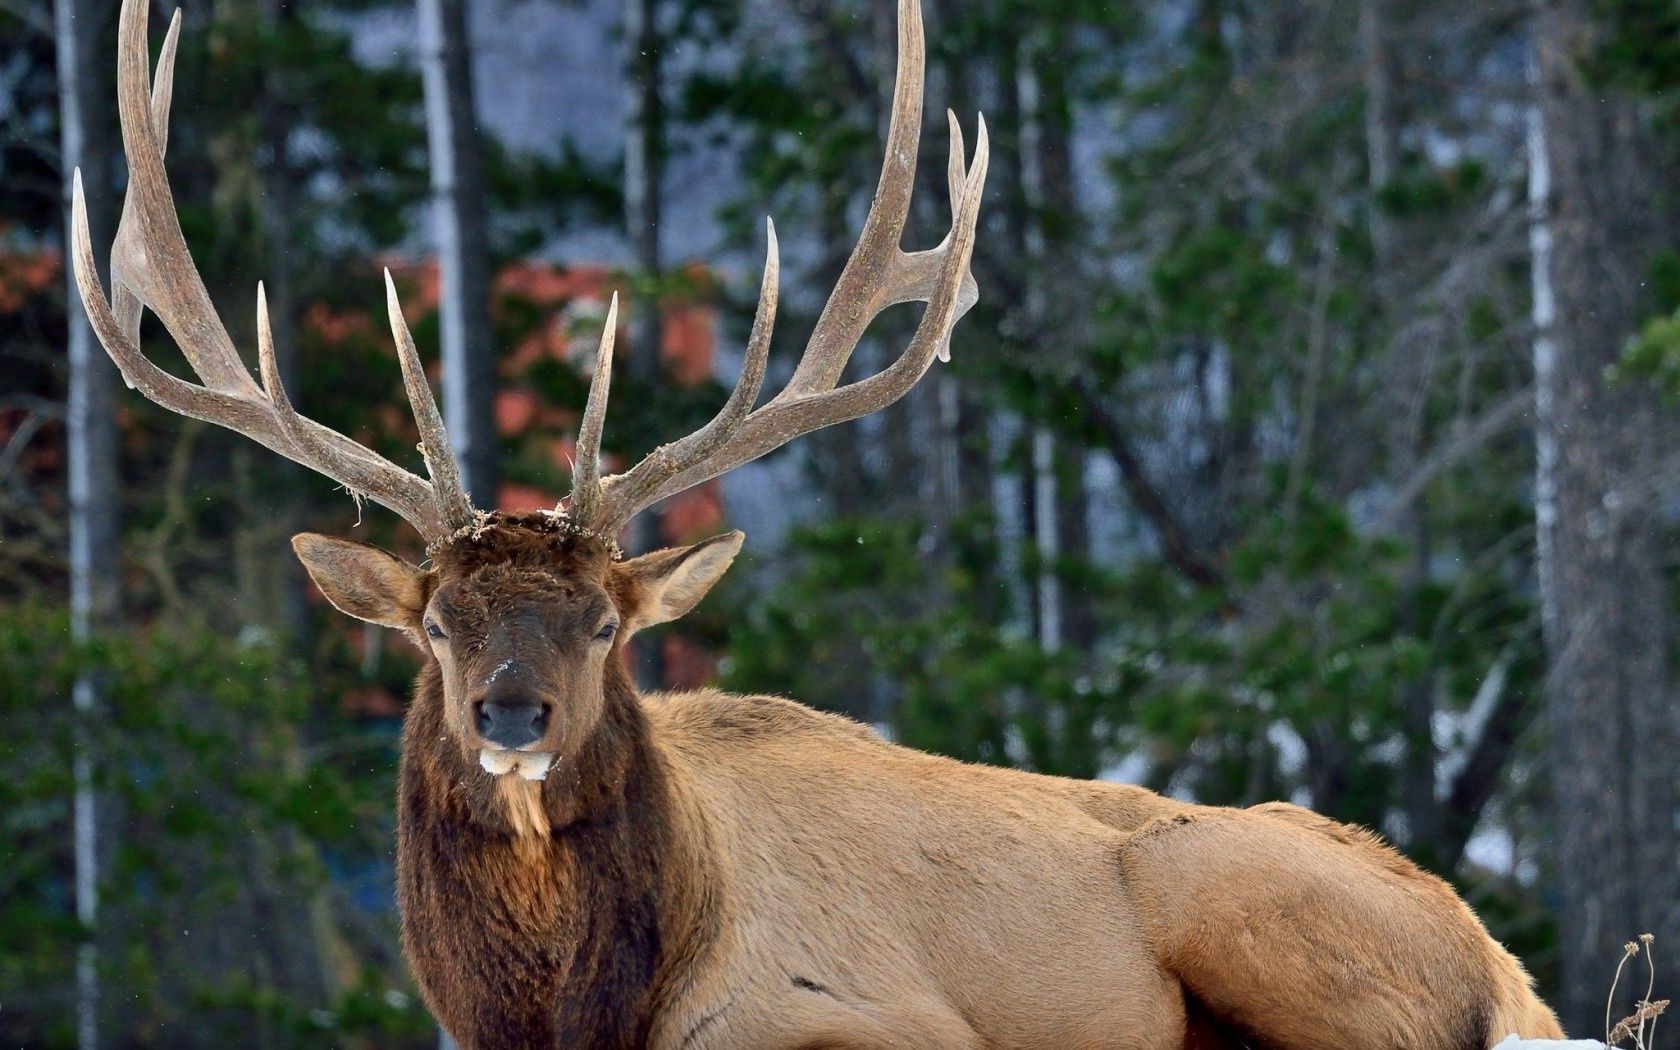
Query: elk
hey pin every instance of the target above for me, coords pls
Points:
(580, 864)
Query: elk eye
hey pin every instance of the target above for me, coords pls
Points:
(433, 629)
(606, 632)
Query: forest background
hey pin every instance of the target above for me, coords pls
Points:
(1315, 438)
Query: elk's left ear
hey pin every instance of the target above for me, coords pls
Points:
(666, 584)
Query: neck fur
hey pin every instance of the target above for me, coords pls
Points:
(576, 891)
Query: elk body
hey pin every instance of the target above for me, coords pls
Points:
(583, 865)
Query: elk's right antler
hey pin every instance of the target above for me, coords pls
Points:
(151, 268)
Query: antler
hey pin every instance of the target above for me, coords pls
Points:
(151, 268)
(878, 274)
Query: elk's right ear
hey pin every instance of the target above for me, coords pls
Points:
(363, 581)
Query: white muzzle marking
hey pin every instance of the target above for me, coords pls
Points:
(532, 765)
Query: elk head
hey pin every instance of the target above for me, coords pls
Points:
(522, 612)
(524, 621)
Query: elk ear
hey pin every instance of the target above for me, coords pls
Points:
(668, 583)
(363, 581)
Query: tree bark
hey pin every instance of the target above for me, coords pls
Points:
(93, 465)
(279, 213)
(644, 179)
(460, 218)
(1038, 143)
(1615, 727)
(1473, 788)
(644, 174)
(971, 466)
(1059, 220)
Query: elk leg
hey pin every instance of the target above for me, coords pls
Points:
(1313, 934)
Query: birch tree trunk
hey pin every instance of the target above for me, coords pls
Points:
(92, 465)
(1615, 726)
(1060, 221)
(460, 215)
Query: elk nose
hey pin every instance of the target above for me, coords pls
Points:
(511, 720)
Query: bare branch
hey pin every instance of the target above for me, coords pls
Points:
(1174, 537)
(1467, 439)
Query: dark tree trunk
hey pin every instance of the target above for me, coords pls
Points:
(1615, 726)
(1079, 621)
(93, 467)
(279, 213)
(970, 455)
(460, 218)
(644, 177)
(1059, 222)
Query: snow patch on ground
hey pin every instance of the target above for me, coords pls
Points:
(1513, 1043)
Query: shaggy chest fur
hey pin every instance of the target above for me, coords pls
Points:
(522, 939)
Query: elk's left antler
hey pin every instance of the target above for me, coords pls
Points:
(878, 274)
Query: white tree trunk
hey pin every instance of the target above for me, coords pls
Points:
(1543, 314)
(459, 215)
(92, 476)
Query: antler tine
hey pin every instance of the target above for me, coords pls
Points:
(163, 83)
(628, 492)
(956, 172)
(441, 465)
(878, 274)
(138, 371)
(585, 500)
(917, 273)
(150, 255)
(126, 304)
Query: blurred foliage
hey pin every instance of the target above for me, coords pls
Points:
(1311, 694)
(1653, 356)
(224, 828)
(1638, 45)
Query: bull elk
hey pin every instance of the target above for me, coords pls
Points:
(581, 864)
